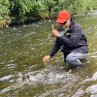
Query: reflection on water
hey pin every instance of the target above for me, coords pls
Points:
(21, 51)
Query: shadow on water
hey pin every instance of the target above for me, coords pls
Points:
(21, 51)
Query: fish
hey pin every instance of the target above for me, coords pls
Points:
(26, 77)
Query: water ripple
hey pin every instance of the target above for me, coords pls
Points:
(6, 77)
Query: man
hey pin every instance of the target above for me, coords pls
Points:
(70, 39)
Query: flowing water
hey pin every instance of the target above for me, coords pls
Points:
(22, 49)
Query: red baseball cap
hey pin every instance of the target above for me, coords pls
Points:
(63, 16)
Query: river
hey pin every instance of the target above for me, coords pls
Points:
(22, 49)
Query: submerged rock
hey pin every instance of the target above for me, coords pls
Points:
(5, 23)
(94, 78)
(79, 93)
(92, 89)
(94, 95)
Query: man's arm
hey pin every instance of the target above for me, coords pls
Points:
(74, 39)
(55, 48)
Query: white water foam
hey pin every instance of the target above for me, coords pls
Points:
(47, 76)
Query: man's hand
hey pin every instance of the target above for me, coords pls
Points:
(55, 32)
(46, 58)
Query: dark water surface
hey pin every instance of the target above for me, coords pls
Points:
(21, 51)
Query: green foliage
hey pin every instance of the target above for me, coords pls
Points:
(74, 6)
(95, 4)
(4, 9)
(19, 8)
(45, 8)
(51, 8)
(22, 10)
(42, 8)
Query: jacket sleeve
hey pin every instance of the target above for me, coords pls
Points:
(74, 39)
(55, 48)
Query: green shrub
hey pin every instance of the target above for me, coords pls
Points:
(21, 10)
(4, 9)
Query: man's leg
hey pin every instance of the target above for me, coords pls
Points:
(73, 59)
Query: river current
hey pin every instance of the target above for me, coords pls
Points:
(22, 49)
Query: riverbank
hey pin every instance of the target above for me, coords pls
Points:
(6, 23)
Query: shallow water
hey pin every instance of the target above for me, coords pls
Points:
(21, 51)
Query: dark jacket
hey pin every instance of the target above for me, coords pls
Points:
(73, 40)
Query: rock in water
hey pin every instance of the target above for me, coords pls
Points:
(94, 95)
(92, 89)
(94, 78)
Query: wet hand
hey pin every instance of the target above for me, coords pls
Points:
(46, 58)
(55, 32)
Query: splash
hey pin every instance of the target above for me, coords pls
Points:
(45, 76)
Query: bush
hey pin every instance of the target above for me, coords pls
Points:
(4, 9)
(21, 10)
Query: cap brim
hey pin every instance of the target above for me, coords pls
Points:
(60, 20)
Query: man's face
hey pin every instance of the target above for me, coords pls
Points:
(66, 24)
